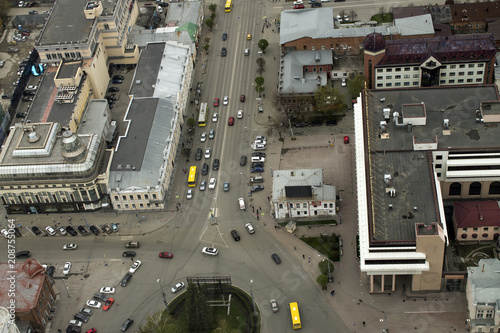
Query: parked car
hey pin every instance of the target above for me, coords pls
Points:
(75, 322)
(101, 297)
(135, 266)
(276, 258)
(210, 251)
(5, 233)
(257, 169)
(331, 122)
(115, 227)
(257, 188)
(93, 304)
(126, 325)
(36, 231)
(116, 81)
(108, 304)
(243, 160)
(50, 270)
(12, 49)
(107, 290)
(302, 124)
(71, 231)
(178, 287)
(23, 254)
(299, 6)
(126, 279)
(118, 77)
(32, 12)
(274, 305)
(316, 4)
(346, 139)
(21, 114)
(67, 268)
(5, 96)
(166, 255)
(128, 254)
(82, 230)
(94, 229)
(113, 89)
(70, 247)
(86, 312)
(81, 317)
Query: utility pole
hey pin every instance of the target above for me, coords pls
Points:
(163, 294)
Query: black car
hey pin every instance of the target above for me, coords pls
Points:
(223, 52)
(257, 164)
(276, 258)
(330, 122)
(126, 325)
(73, 329)
(118, 77)
(71, 231)
(204, 169)
(111, 97)
(199, 152)
(101, 297)
(29, 93)
(116, 81)
(129, 254)
(50, 270)
(317, 123)
(224, 36)
(113, 89)
(126, 280)
(27, 98)
(36, 231)
(316, 4)
(216, 164)
(94, 229)
(17, 232)
(302, 124)
(243, 160)
(21, 114)
(82, 230)
(259, 154)
(6, 96)
(257, 188)
(23, 254)
(81, 317)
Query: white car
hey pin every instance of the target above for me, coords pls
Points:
(298, 2)
(62, 230)
(50, 230)
(135, 266)
(259, 137)
(178, 287)
(210, 251)
(274, 305)
(107, 290)
(343, 83)
(211, 185)
(5, 233)
(203, 137)
(93, 304)
(75, 322)
(215, 117)
(31, 87)
(225, 101)
(189, 194)
(240, 114)
(70, 247)
(258, 147)
(260, 142)
(325, 0)
(207, 153)
(66, 268)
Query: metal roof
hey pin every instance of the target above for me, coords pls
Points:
(483, 280)
(293, 76)
(477, 214)
(416, 25)
(314, 23)
(285, 180)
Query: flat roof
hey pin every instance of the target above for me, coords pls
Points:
(69, 69)
(146, 73)
(457, 104)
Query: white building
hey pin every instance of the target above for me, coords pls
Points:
(302, 193)
(6, 326)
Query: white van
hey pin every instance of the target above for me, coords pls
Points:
(241, 202)
(249, 228)
(258, 159)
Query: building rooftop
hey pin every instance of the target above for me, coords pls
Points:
(301, 183)
(314, 23)
(457, 104)
(181, 13)
(472, 12)
(142, 36)
(146, 73)
(484, 281)
(440, 13)
(415, 25)
(469, 214)
(295, 80)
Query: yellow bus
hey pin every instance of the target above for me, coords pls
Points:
(192, 176)
(202, 119)
(294, 310)
(229, 5)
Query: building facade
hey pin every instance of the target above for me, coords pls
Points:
(476, 221)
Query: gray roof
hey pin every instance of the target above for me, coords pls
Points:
(411, 180)
(458, 104)
(285, 180)
(314, 23)
(143, 84)
(139, 155)
(95, 118)
(180, 13)
(484, 281)
(142, 36)
(416, 25)
(295, 80)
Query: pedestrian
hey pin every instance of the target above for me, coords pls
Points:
(177, 208)
(260, 208)
(309, 261)
(295, 248)
(258, 217)
(303, 256)
(274, 57)
(253, 211)
(364, 324)
(333, 293)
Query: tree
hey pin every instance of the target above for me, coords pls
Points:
(159, 322)
(263, 44)
(191, 122)
(210, 23)
(259, 89)
(4, 9)
(381, 11)
(224, 327)
(329, 101)
(212, 8)
(212, 16)
(323, 266)
(260, 65)
(322, 280)
(356, 85)
(199, 314)
(205, 47)
(352, 15)
(259, 80)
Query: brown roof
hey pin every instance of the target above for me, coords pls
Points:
(469, 214)
(477, 11)
(27, 289)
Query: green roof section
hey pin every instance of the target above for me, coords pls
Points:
(191, 28)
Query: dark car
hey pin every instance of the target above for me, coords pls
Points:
(259, 154)
(224, 36)
(36, 231)
(6, 96)
(316, 4)
(81, 317)
(129, 254)
(21, 114)
(73, 329)
(199, 153)
(257, 165)
(242, 98)
(257, 169)
(94, 229)
(257, 188)
(216, 164)
(126, 325)
(118, 77)
(32, 12)
(302, 124)
(204, 169)
(113, 89)
(29, 93)
(23, 254)
(276, 258)
(50, 270)
(101, 297)
(317, 123)
(223, 52)
(116, 81)
(17, 232)
(243, 160)
(71, 231)
(82, 230)
(126, 279)
(27, 98)
(331, 122)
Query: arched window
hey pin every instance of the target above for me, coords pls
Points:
(474, 235)
(485, 235)
(496, 235)
(464, 236)
(475, 188)
(455, 189)
(494, 188)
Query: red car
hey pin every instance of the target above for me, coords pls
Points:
(242, 98)
(230, 121)
(299, 6)
(167, 255)
(346, 139)
(107, 304)
(92, 330)
(216, 102)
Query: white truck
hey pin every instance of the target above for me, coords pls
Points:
(241, 202)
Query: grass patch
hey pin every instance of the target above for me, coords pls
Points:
(385, 18)
(328, 245)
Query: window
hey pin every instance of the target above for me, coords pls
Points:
(146, 196)
(398, 69)
(154, 196)
(331, 205)
(304, 205)
(379, 85)
(415, 76)
(298, 212)
(407, 83)
(470, 80)
(470, 73)
(388, 84)
(397, 77)
(480, 65)
(304, 212)
(397, 84)
(494, 188)
(453, 66)
(455, 189)
(291, 205)
(415, 83)
(388, 77)
(461, 73)
(325, 206)
(305, 47)
(462, 66)
(452, 74)
(407, 76)
(439, 157)
(126, 206)
(475, 188)
(460, 80)
(442, 81)
(131, 197)
(479, 80)
(124, 197)
(416, 68)
(281, 206)
(471, 65)
(388, 70)
(451, 81)
(439, 166)
(438, 174)
(443, 74)
(407, 69)
(380, 77)
(485, 228)
(380, 70)
(479, 73)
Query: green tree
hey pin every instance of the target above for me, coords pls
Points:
(199, 316)
(259, 89)
(212, 8)
(322, 280)
(259, 80)
(210, 23)
(4, 9)
(191, 122)
(224, 327)
(323, 266)
(206, 47)
(356, 85)
(159, 322)
(263, 44)
(329, 101)
(212, 16)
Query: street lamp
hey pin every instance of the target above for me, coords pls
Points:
(163, 294)
(251, 294)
